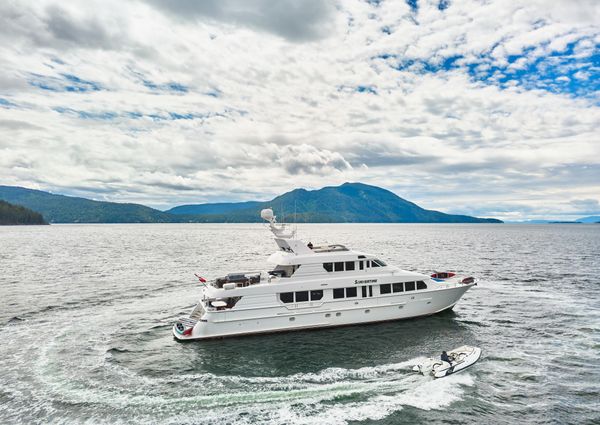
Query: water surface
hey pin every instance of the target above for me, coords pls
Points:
(97, 302)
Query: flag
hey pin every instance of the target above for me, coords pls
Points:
(200, 278)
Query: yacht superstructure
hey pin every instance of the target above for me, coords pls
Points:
(315, 287)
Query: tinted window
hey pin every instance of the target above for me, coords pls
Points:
(339, 267)
(328, 266)
(410, 286)
(398, 287)
(368, 263)
(370, 290)
(379, 263)
(374, 263)
(364, 292)
(351, 292)
(385, 288)
(349, 265)
(338, 293)
(361, 265)
(287, 297)
(301, 296)
(316, 295)
(421, 285)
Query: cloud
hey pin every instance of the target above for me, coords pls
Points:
(479, 107)
(308, 159)
(294, 20)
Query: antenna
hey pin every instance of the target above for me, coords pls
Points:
(295, 220)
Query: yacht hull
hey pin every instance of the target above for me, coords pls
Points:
(358, 311)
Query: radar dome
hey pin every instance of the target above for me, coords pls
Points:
(267, 214)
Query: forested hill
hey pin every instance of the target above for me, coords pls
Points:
(68, 209)
(16, 214)
(348, 203)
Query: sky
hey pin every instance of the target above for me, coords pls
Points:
(488, 108)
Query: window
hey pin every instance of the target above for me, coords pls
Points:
(364, 292)
(351, 292)
(398, 287)
(339, 267)
(421, 285)
(374, 263)
(338, 293)
(349, 265)
(286, 297)
(301, 296)
(316, 295)
(370, 290)
(380, 263)
(386, 288)
(368, 263)
(328, 266)
(361, 265)
(410, 286)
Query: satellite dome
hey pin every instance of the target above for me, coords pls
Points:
(267, 214)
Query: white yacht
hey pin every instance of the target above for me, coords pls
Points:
(315, 287)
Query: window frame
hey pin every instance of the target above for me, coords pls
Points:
(399, 285)
(421, 285)
(316, 291)
(285, 294)
(328, 267)
(388, 288)
(408, 285)
(351, 292)
(337, 292)
(336, 264)
(351, 264)
(301, 292)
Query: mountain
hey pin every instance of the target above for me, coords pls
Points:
(16, 214)
(348, 203)
(68, 209)
(590, 219)
(218, 208)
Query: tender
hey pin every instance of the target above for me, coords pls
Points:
(460, 358)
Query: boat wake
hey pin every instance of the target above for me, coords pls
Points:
(96, 382)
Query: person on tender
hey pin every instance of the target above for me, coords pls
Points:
(445, 357)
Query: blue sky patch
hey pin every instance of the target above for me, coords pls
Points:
(562, 72)
(87, 115)
(169, 87)
(6, 103)
(64, 83)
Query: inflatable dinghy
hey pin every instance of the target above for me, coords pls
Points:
(460, 359)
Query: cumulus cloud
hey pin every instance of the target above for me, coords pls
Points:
(484, 108)
(307, 159)
(295, 20)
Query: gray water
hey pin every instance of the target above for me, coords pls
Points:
(97, 302)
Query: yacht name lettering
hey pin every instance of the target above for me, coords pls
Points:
(356, 282)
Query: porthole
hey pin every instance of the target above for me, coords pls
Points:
(367, 311)
(292, 319)
(400, 306)
(338, 314)
(327, 314)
